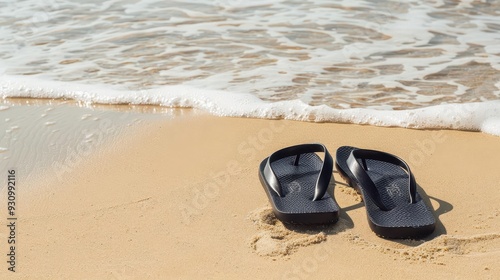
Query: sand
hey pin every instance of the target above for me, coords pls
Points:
(176, 194)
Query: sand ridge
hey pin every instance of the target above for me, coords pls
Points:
(433, 251)
(276, 239)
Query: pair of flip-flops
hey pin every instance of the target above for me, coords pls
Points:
(296, 181)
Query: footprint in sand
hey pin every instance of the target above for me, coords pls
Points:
(276, 239)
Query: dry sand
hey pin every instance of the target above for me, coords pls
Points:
(177, 195)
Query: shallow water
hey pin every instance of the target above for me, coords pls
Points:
(384, 55)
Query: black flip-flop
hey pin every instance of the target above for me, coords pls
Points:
(393, 205)
(296, 181)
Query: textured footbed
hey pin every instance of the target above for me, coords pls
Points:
(298, 185)
(403, 219)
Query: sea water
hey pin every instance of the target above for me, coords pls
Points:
(418, 64)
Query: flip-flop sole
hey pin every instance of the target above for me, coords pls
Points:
(403, 219)
(296, 206)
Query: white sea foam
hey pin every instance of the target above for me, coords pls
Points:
(479, 116)
(321, 60)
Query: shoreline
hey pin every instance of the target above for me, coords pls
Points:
(179, 195)
(475, 116)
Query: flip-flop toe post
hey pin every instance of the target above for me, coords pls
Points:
(296, 182)
(394, 207)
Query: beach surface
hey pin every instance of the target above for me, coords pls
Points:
(175, 193)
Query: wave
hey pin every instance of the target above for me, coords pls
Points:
(478, 116)
(378, 54)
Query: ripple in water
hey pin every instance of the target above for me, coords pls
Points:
(348, 54)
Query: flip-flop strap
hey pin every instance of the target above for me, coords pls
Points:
(324, 175)
(368, 185)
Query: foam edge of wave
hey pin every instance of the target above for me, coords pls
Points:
(479, 116)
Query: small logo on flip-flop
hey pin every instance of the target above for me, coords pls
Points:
(393, 191)
(294, 187)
